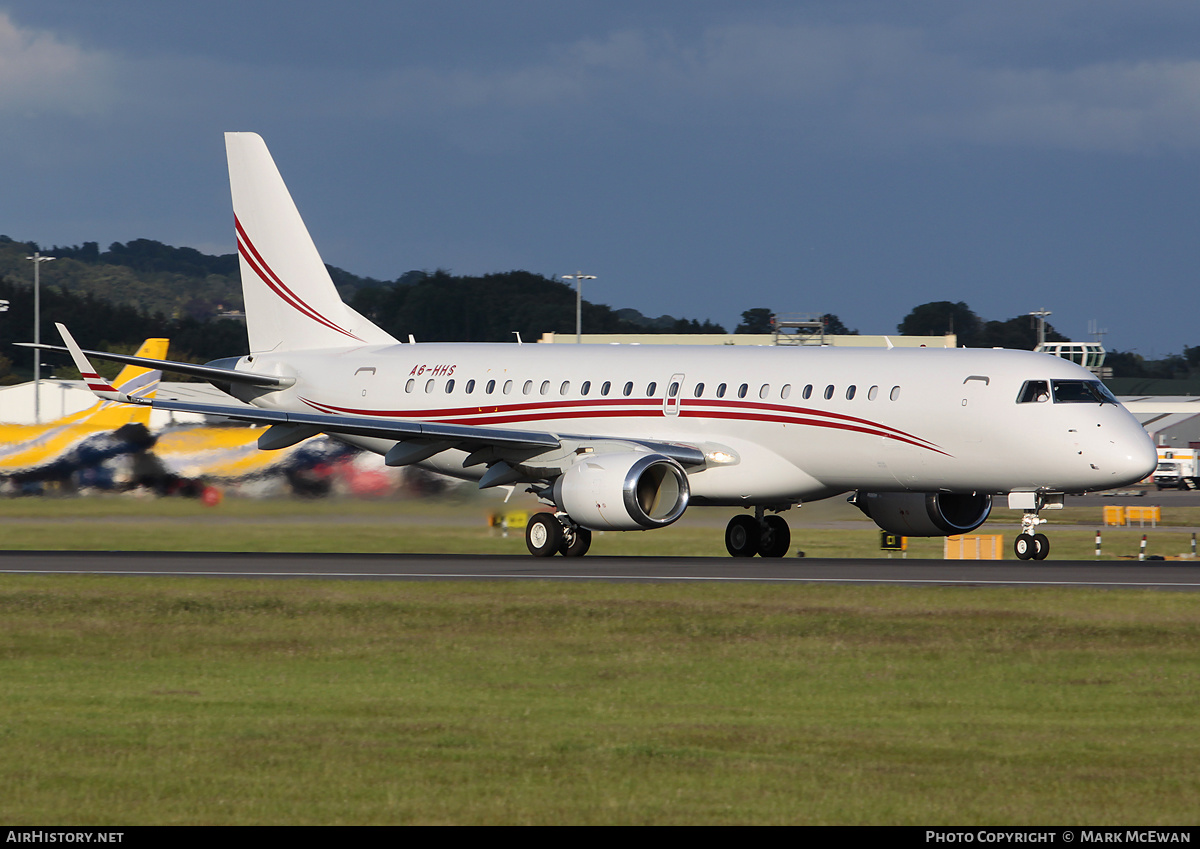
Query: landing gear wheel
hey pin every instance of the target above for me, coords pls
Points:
(1041, 546)
(1024, 547)
(579, 544)
(543, 535)
(776, 537)
(742, 536)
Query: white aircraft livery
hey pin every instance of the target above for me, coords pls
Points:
(629, 437)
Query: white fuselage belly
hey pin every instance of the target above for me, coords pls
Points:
(894, 420)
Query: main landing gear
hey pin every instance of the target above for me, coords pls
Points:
(547, 535)
(1030, 545)
(766, 536)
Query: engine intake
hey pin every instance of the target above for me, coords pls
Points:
(925, 514)
(623, 491)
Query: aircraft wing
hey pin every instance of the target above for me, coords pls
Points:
(467, 435)
(418, 440)
(417, 437)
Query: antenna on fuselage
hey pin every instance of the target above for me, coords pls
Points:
(517, 333)
(411, 339)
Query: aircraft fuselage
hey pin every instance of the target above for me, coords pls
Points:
(782, 424)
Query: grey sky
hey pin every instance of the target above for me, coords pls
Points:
(701, 158)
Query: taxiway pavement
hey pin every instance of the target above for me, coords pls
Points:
(1157, 574)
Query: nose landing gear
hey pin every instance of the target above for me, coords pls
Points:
(1030, 545)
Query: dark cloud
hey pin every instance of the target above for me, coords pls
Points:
(855, 158)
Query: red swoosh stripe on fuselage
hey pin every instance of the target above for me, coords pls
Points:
(271, 279)
(637, 408)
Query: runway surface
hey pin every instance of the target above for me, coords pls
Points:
(1164, 575)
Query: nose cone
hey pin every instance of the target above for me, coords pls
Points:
(1133, 456)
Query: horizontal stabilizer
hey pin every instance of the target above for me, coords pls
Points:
(209, 373)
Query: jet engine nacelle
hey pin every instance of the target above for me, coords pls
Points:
(623, 491)
(925, 514)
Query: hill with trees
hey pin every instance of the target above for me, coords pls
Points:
(117, 297)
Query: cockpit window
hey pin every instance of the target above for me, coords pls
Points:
(1034, 391)
(1065, 392)
(1081, 392)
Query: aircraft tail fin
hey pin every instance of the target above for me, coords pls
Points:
(291, 301)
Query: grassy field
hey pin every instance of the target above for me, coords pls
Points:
(147, 701)
(135, 701)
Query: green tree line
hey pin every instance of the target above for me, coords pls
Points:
(114, 298)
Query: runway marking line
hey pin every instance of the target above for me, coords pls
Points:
(542, 577)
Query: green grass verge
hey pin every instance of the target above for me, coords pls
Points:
(139, 701)
(824, 529)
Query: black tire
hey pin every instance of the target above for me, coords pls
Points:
(579, 545)
(543, 535)
(776, 539)
(1041, 546)
(742, 536)
(1024, 547)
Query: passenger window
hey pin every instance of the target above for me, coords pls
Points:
(606, 387)
(895, 393)
(428, 386)
(586, 388)
(408, 387)
(872, 393)
(527, 388)
(508, 384)
(764, 391)
(673, 390)
(699, 389)
(628, 389)
(1034, 392)
(650, 389)
(491, 387)
(850, 390)
(785, 391)
(828, 392)
(807, 393)
(449, 386)
(470, 386)
(545, 387)
(721, 391)
(565, 388)
(742, 390)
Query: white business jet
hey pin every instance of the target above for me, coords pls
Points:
(626, 438)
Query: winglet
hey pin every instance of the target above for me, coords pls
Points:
(101, 387)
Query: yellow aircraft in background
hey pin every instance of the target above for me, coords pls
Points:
(25, 447)
(185, 454)
(227, 453)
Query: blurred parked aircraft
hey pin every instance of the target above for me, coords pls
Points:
(27, 448)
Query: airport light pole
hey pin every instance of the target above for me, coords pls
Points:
(1040, 317)
(579, 277)
(37, 259)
